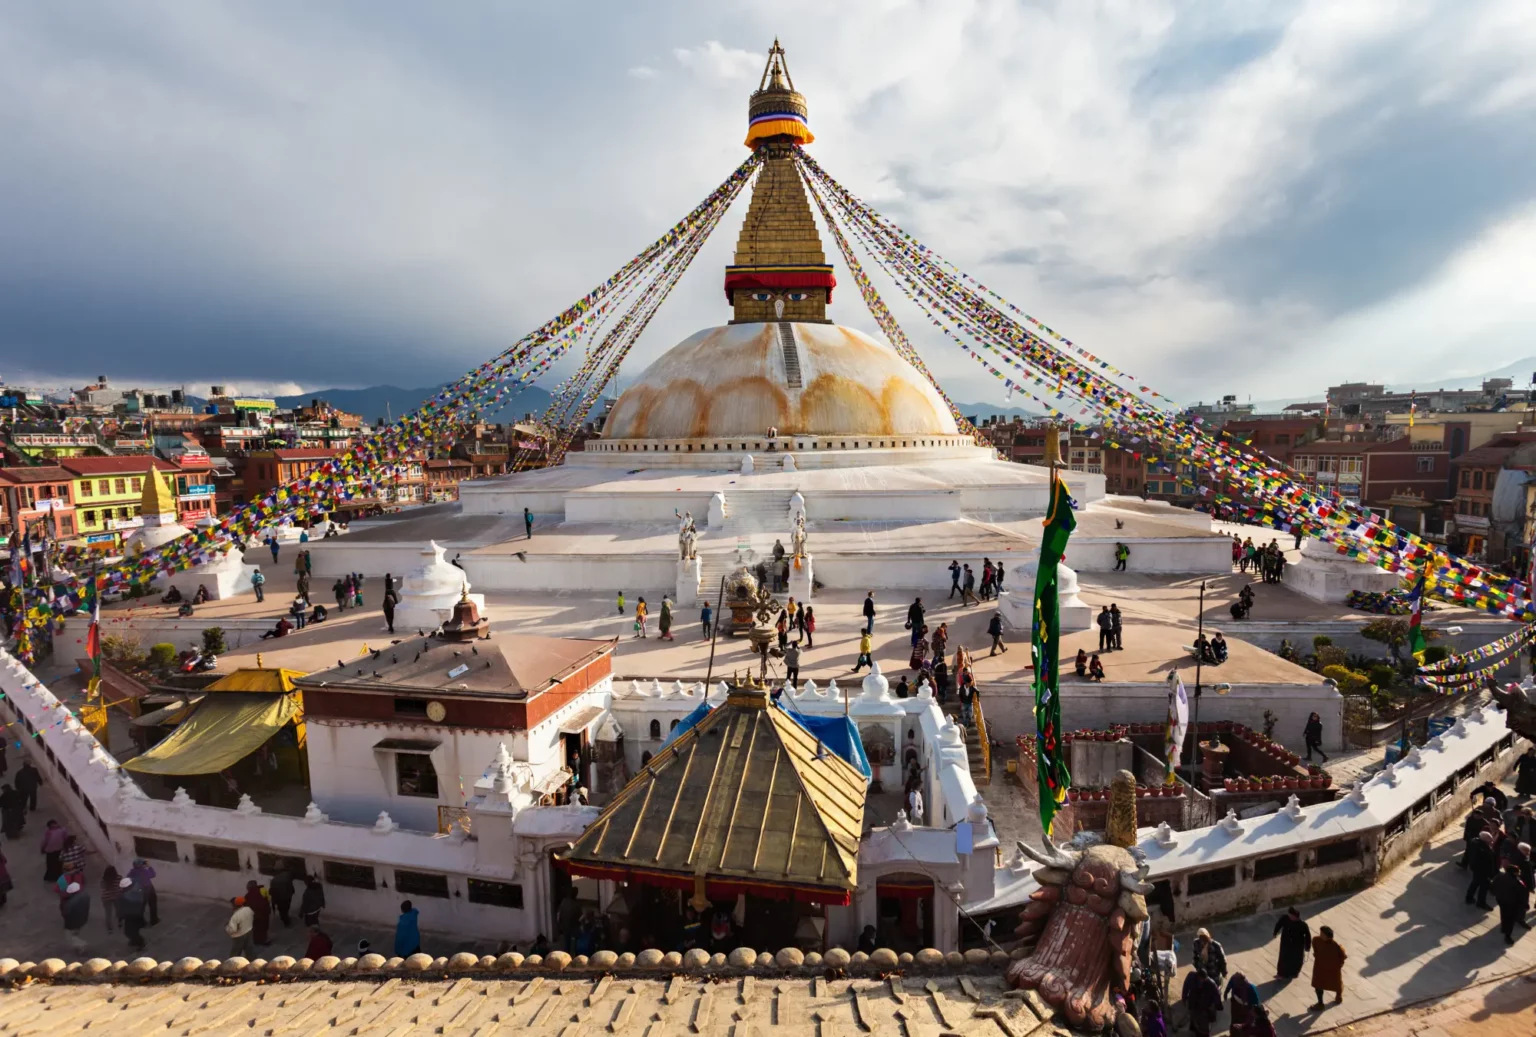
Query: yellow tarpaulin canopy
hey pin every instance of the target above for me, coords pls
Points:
(221, 731)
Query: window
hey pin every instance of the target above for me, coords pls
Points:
(155, 849)
(1466, 479)
(1282, 439)
(268, 863)
(1477, 480)
(411, 707)
(223, 858)
(497, 894)
(85, 488)
(1424, 464)
(415, 776)
(120, 485)
(1338, 852)
(421, 884)
(1212, 880)
(89, 517)
(656, 730)
(104, 486)
(137, 486)
(354, 876)
(674, 726)
(66, 525)
(1274, 867)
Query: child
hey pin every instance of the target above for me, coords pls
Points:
(621, 603)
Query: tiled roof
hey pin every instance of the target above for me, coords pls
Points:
(86, 466)
(38, 474)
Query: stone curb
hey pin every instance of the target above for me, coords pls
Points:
(742, 961)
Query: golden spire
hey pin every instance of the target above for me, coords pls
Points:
(157, 498)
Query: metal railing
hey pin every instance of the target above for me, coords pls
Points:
(981, 738)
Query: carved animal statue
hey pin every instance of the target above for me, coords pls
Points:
(1519, 705)
(1080, 930)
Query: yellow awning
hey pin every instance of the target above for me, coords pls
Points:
(221, 731)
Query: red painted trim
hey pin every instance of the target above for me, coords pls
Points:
(808, 278)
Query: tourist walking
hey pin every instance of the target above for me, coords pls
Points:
(1525, 774)
(640, 615)
(706, 616)
(621, 603)
(664, 621)
(866, 645)
(1295, 940)
(1328, 959)
(527, 524)
(13, 812)
(968, 588)
(1106, 625)
(313, 900)
(272, 545)
(258, 582)
(130, 910)
(143, 877)
(1514, 899)
(915, 805)
(1313, 735)
(997, 579)
(915, 613)
(389, 612)
(792, 663)
(76, 911)
(967, 698)
(261, 913)
(1482, 862)
(987, 574)
(1209, 954)
(995, 629)
(808, 625)
(954, 578)
(110, 891)
(1122, 555)
(1244, 998)
(52, 848)
(407, 931)
(1202, 1001)
(28, 780)
(869, 612)
(238, 928)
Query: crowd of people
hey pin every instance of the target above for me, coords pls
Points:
(1267, 560)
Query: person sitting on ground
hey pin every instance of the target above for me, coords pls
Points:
(1239, 609)
(281, 630)
(1095, 668)
(1201, 649)
(318, 616)
(171, 596)
(202, 594)
(184, 609)
(1081, 662)
(1218, 648)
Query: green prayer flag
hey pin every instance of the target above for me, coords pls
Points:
(1045, 646)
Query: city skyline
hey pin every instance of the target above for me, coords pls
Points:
(340, 196)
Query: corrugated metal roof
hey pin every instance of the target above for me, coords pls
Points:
(743, 797)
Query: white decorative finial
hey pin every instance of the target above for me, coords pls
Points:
(313, 814)
(181, 799)
(1165, 837)
(1293, 809)
(1231, 825)
(384, 825)
(247, 806)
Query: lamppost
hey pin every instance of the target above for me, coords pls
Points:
(1199, 660)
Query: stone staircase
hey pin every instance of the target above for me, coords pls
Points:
(972, 744)
(753, 520)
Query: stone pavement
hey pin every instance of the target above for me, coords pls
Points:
(1409, 938)
(31, 929)
(1505, 1008)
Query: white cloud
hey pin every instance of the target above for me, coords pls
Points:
(713, 60)
(643, 72)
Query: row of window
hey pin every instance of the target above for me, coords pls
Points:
(1472, 479)
(1213, 880)
(111, 487)
(334, 873)
(1472, 507)
(780, 444)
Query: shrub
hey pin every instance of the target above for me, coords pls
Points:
(1350, 682)
(1331, 655)
(162, 656)
(213, 641)
(1436, 653)
(122, 649)
(1381, 674)
(1320, 642)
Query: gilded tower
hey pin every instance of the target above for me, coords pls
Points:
(780, 273)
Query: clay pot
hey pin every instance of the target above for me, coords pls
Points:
(1228, 784)
(1290, 783)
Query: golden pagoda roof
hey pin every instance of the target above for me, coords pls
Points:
(257, 678)
(741, 801)
(158, 498)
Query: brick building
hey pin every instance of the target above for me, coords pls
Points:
(38, 494)
(1274, 436)
(107, 491)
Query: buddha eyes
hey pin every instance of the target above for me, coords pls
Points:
(762, 296)
(799, 296)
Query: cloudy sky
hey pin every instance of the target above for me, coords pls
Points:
(1220, 197)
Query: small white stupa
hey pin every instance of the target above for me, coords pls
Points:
(223, 576)
(429, 592)
(157, 508)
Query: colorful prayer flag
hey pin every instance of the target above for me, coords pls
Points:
(1045, 645)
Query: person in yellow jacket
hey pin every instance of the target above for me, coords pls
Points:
(640, 613)
(866, 646)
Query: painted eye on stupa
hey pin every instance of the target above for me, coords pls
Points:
(799, 296)
(762, 296)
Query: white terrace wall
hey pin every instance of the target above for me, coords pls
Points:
(461, 886)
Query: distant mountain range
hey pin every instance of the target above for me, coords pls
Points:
(389, 401)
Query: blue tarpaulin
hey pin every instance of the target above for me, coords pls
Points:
(838, 734)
